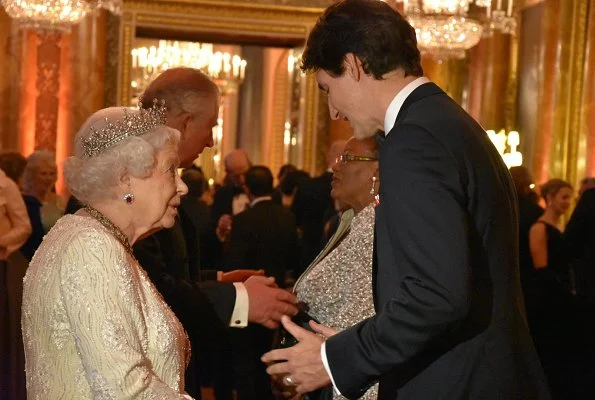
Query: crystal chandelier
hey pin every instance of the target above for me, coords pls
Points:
(225, 69)
(54, 15)
(446, 28)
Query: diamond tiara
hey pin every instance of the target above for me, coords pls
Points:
(132, 124)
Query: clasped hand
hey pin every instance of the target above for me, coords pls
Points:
(268, 303)
(302, 362)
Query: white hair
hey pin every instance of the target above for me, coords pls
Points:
(92, 179)
(34, 161)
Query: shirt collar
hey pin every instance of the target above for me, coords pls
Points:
(395, 106)
(259, 199)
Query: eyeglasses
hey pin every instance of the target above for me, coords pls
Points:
(345, 158)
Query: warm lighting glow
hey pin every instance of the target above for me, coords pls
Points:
(54, 15)
(225, 69)
(507, 145)
(446, 28)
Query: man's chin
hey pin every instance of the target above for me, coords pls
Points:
(361, 134)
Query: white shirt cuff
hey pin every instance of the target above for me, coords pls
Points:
(239, 316)
(326, 366)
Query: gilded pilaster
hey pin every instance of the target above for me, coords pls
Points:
(451, 75)
(586, 146)
(489, 77)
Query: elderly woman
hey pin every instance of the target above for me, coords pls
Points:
(43, 205)
(94, 326)
(337, 286)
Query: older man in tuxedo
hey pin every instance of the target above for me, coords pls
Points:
(450, 319)
(204, 308)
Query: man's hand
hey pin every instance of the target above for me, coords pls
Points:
(223, 227)
(302, 363)
(268, 303)
(240, 275)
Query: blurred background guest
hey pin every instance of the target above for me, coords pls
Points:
(43, 204)
(551, 311)
(14, 231)
(283, 172)
(262, 236)
(13, 164)
(529, 213)
(289, 186)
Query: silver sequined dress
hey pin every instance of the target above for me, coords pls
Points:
(94, 326)
(338, 289)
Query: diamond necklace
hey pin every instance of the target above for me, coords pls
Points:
(113, 229)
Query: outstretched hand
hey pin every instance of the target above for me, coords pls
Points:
(268, 303)
(302, 362)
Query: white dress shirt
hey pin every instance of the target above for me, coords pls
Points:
(389, 121)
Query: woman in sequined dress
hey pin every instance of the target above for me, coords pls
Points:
(337, 286)
(94, 326)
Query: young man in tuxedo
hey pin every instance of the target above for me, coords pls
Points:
(450, 319)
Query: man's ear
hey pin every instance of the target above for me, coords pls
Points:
(353, 66)
(180, 122)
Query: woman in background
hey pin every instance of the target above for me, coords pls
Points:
(43, 204)
(14, 231)
(13, 164)
(551, 310)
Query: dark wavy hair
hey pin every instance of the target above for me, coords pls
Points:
(378, 35)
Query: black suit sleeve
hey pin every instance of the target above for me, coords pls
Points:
(427, 229)
(575, 234)
(199, 306)
(240, 243)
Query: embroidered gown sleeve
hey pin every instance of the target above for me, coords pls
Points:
(103, 302)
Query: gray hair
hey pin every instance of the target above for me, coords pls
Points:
(182, 89)
(93, 179)
(34, 161)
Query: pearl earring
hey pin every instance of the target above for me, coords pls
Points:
(373, 190)
(129, 198)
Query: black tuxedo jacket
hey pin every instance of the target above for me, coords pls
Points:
(311, 204)
(450, 318)
(203, 308)
(580, 241)
(264, 237)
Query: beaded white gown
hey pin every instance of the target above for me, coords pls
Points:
(337, 286)
(94, 326)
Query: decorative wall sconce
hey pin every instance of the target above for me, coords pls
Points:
(507, 145)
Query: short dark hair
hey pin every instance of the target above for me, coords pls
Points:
(13, 164)
(259, 180)
(292, 181)
(195, 180)
(284, 170)
(378, 35)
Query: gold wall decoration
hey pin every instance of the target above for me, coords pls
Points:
(553, 80)
(255, 21)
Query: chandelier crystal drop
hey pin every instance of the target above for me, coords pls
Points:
(448, 28)
(227, 70)
(55, 15)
